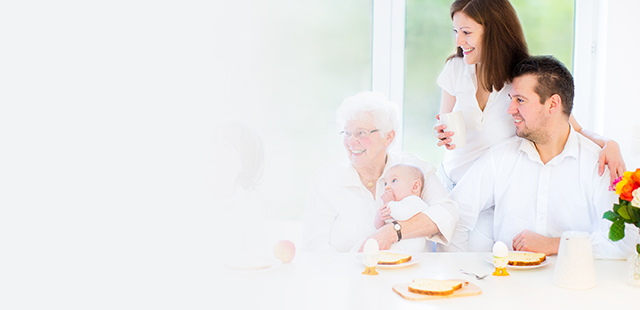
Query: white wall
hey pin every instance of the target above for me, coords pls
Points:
(105, 117)
(622, 79)
(606, 73)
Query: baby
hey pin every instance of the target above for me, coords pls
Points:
(401, 201)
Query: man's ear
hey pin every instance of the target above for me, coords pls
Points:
(555, 104)
(417, 184)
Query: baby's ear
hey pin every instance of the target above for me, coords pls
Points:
(417, 184)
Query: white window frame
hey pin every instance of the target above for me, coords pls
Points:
(605, 73)
(387, 67)
(388, 47)
(589, 59)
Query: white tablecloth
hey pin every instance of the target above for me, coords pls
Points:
(334, 281)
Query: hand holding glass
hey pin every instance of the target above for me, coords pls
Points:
(454, 122)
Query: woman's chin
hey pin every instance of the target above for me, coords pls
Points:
(469, 61)
(359, 160)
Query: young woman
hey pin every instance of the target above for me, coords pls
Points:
(476, 80)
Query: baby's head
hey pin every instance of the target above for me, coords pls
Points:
(404, 180)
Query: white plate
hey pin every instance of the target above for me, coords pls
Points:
(275, 264)
(544, 263)
(414, 260)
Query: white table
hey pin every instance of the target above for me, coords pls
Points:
(334, 281)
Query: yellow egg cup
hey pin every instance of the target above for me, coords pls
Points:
(501, 272)
(370, 271)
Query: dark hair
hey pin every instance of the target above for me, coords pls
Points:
(503, 44)
(552, 76)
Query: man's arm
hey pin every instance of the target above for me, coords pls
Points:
(442, 211)
(474, 193)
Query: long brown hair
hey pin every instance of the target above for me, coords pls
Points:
(503, 44)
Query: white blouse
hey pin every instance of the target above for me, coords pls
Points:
(484, 128)
(340, 210)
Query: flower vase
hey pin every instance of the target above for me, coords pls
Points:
(633, 275)
(634, 270)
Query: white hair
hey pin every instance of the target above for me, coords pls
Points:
(369, 106)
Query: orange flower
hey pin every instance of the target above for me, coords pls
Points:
(635, 176)
(626, 192)
(622, 182)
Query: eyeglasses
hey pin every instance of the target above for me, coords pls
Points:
(359, 134)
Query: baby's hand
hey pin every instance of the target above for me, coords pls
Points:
(382, 214)
(387, 196)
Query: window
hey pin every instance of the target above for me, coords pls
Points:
(303, 58)
(298, 61)
(429, 40)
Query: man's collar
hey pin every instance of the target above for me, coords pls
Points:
(570, 149)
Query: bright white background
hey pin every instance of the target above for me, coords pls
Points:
(107, 113)
(106, 110)
(606, 73)
(622, 81)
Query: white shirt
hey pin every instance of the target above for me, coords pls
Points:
(484, 127)
(565, 194)
(401, 211)
(340, 210)
(406, 208)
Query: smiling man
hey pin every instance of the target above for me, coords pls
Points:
(544, 181)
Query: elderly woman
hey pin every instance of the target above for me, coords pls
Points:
(342, 202)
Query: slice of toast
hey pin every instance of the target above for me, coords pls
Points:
(526, 259)
(434, 287)
(388, 258)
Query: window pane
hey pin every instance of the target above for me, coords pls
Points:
(430, 40)
(304, 58)
(550, 33)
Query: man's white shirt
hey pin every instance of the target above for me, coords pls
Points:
(565, 194)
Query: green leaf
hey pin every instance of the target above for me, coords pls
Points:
(624, 212)
(611, 216)
(632, 213)
(636, 212)
(616, 232)
(616, 207)
(638, 248)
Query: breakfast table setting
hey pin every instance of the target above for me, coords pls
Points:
(336, 281)
(502, 279)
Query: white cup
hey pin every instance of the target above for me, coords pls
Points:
(574, 267)
(455, 122)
